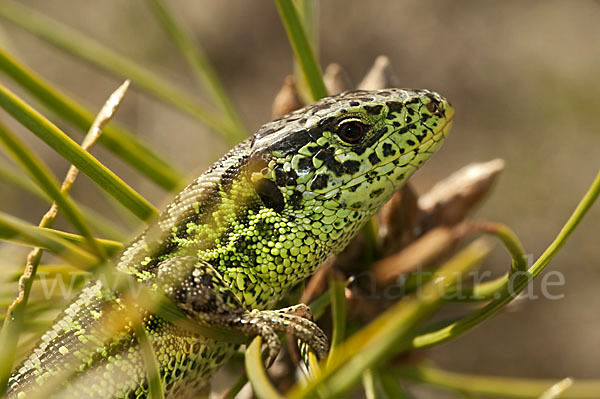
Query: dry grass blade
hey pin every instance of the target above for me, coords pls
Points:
(557, 389)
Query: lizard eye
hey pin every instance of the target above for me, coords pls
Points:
(352, 131)
(432, 107)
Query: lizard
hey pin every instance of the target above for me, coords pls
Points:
(235, 241)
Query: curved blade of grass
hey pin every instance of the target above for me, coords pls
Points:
(379, 340)
(199, 63)
(85, 48)
(505, 387)
(72, 152)
(320, 304)
(373, 385)
(37, 307)
(485, 291)
(110, 246)
(34, 325)
(102, 225)
(236, 388)
(16, 230)
(338, 313)
(117, 139)
(513, 284)
(302, 48)
(392, 387)
(255, 370)
(13, 235)
(46, 182)
(307, 12)
(14, 177)
(150, 362)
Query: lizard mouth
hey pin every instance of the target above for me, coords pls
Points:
(448, 121)
(440, 134)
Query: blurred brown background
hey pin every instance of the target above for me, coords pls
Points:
(523, 77)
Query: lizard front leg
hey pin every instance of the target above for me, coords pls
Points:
(198, 288)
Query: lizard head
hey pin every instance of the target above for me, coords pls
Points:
(348, 152)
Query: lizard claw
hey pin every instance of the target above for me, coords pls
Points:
(295, 320)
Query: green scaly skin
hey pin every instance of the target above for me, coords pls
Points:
(232, 243)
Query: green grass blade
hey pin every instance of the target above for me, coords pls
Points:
(46, 182)
(98, 222)
(372, 385)
(199, 63)
(102, 226)
(236, 388)
(11, 234)
(320, 304)
(338, 313)
(14, 229)
(392, 387)
(21, 181)
(490, 386)
(255, 370)
(302, 48)
(308, 13)
(117, 139)
(85, 48)
(110, 246)
(72, 152)
(150, 363)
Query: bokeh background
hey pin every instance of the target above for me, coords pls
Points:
(524, 78)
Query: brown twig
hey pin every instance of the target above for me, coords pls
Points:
(287, 99)
(380, 76)
(336, 79)
(451, 199)
(398, 220)
(427, 250)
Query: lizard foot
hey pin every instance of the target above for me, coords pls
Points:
(295, 320)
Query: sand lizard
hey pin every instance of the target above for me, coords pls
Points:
(237, 239)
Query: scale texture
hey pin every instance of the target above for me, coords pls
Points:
(235, 241)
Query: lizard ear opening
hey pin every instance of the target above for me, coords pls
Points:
(269, 194)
